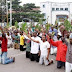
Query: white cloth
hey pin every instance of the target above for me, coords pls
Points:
(68, 67)
(53, 50)
(44, 47)
(34, 45)
(26, 37)
(43, 60)
(9, 39)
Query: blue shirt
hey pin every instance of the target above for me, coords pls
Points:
(54, 30)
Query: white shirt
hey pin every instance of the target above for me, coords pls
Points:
(9, 39)
(44, 47)
(34, 45)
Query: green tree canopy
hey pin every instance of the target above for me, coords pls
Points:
(67, 25)
(28, 7)
(15, 5)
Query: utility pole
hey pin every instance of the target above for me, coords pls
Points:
(7, 11)
(10, 12)
(3, 11)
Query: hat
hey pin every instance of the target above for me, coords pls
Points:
(70, 35)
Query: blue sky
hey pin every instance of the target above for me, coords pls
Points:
(37, 2)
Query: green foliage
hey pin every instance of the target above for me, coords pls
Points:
(71, 28)
(56, 22)
(16, 24)
(24, 27)
(47, 26)
(8, 25)
(38, 27)
(25, 11)
(15, 5)
(67, 25)
(28, 7)
(40, 21)
(30, 25)
(33, 16)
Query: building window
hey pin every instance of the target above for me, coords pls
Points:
(53, 9)
(43, 6)
(57, 8)
(66, 9)
(61, 8)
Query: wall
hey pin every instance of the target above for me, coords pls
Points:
(46, 10)
(50, 15)
(54, 13)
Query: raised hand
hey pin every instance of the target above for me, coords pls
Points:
(29, 36)
(24, 33)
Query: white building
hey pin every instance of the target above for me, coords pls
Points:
(54, 11)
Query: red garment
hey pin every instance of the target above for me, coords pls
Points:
(4, 44)
(61, 50)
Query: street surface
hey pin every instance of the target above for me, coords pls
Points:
(25, 65)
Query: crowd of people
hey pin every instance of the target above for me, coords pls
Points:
(39, 45)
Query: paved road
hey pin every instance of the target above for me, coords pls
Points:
(25, 65)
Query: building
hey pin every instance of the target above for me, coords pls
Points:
(54, 11)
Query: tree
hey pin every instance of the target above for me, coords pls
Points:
(67, 25)
(16, 24)
(25, 11)
(32, 14)
(28, 7)
(15, 5)
(24, 27)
